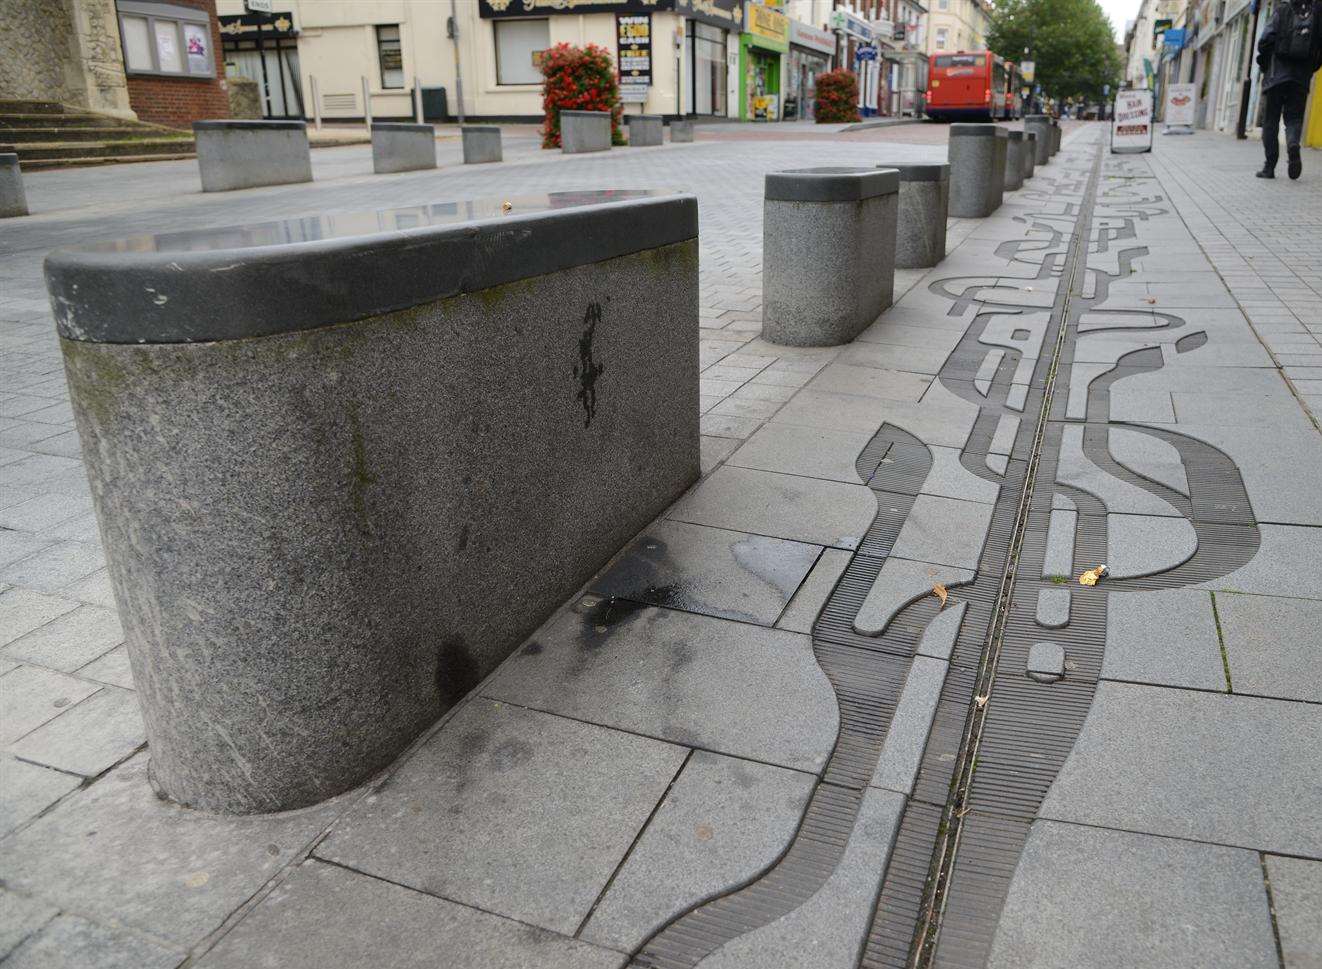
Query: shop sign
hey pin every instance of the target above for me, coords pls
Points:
(272, 25)
(1160, 26)
(848, 23)
(813, 38)
(1181, 99)
(1174, 38)
(633, 54)
(764, 22)
(1027, 71)
(719, 13)
(529, 8)
(1131, 122)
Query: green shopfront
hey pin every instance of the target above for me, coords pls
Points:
(762, 49)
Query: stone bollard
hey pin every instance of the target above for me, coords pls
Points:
(645, 130)
(920, 229)
(481, 144)
(1040, 125)
(13, 200)
(344, 465)
(246, 154)
(582, 131)
(1055, 137)
(681, 131)
(828, 253)
(977, 169)
(1016, 146)
(402, 147)
(1029, 154)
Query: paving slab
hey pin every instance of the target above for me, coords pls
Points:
(899, 583)
(868, 380)
(71, 941)
(21, 917)
(23, 610)
(87, 738)
(1286, 561)
(948, 477)
(28, 789)
(808, 451)
(1296, 886)
(1273, 645)
(684, 678)
(945, 531)
(1149, 456)
(802, 611)
(1147, 544)
(1166, 638)
(906, 738)
(69, 641)
(1077, 469)
(939, 637)
(1086, 898)
(30, 696)
(112, 668)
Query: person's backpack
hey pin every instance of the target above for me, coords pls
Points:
(1296, 40)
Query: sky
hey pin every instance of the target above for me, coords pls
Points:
(1120, 11)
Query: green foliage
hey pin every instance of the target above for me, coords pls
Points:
(837, 97)
(1070, 41)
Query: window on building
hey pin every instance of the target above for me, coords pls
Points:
(390, 55)
(519, 44)
(942, 35)
(943, 4)
(160, 38)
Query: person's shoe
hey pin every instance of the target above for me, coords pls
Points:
(1296, 166)
(1265, 173)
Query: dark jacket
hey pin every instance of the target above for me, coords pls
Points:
(1276, 69)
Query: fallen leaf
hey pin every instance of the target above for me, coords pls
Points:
(981, 701)
(506, 206)
(940, 592)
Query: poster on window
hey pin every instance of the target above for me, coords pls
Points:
(633, 54)
(168, 58)
(1131, 122)
(197, 43)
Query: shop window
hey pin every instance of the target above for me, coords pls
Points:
(391, 56)
(160, 38)
(519, 44)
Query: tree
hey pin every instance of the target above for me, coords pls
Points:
(1070, 42)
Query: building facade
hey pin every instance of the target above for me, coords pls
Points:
(958, 25)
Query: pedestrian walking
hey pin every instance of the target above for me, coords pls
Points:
(1289, 52)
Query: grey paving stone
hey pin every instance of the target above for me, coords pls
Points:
(26, 790)
(1141, 406)
(1273, 645)
(945, 531)
(22, 610)
(117, 853)
(90, 737)
(69, 641)
(519, 813)
(940, 418)
(939, 637)
(902, 751)
(1053, 607)
(802, 611)
(868, 380)
(723, 425)
(1002, 441)
(899, 583)
(711, 571)
(16, 546)
(96, 589)
(827, 931)
(722, 822)
(1059, 555)
(21, 917)
(1297, 893)
(30, 696)
(1202, 766)
(808, 451)
(780, 505)
(1149, 456)
(1147, 544)
(1284, 562)
(1167, 638)
(55, 567)
(302, 925)
(714, 451)
(1046, 662)
(1092, 899)
(71, 941)
(869, 350)
(1119, 496)
(950, 479)
(685, 678)
(43, 511)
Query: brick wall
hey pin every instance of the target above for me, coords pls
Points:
(179, 101)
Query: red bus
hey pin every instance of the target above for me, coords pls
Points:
(972, 86)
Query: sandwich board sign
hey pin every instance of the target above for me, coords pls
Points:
(1131, 121)
(1181, 99)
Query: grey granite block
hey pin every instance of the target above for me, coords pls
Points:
(1040, 125)
(1029, 158)
(25, 791)
(71, 941)
(303, 925)
(112, 668)
(906, 738)
(1007, 428)
(1096, 899)
(645, 130)
(808, 451)
(1296, 885)
(21, 917)
(713, 571)
(481, 144)
(1046, 662)
(1202, 766)
(868, 381)
(945, 531)
(1167, 638)
(1284, 560)
(1273, 645)
(899, 583)
(724, 821)
(400, 147)
(23, 610)
(1149, 456)
(1059, 557)
(715, 450)
(828, 930)
(13, 200)
(939, 637)
(781, 505)
(681, 131)
(977, 169)
(1147, 544)
(1119, 496)
(941, 419)
(920, 229)
(1016, 146)
(117, 853)
(582, 131)
(69, 641)
(246, 154)
(1053, 608)
(515, 812)
(689, 679)
(802, 611)
(30, 696)
(87, 738)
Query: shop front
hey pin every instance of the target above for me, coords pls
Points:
(811, 52)
(763, 47)
(263, 47)
(711, 46)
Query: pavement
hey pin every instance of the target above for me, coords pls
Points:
(763, 764)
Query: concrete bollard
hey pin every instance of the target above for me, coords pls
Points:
(828, 253)
(481, 144)
(342, 465)
(681, 131)
(924, 204)
(13, 200)
(1029, 154)
(1040, 124)
(645, 130)
(246, 154)
(1055, 137)
(402, 147)
(582, 131)
(977, 169)
(1016, 146)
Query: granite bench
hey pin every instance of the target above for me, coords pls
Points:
(645, 130)
(977, 169)
(402, 147)
(481, 144)
(246, 154)
(924, 204)
(582, 131)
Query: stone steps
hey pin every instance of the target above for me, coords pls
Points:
(43, 164)
(18, 136)
(47, 150)
(45, 134)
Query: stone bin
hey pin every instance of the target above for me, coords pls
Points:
(920, 229)
(1040, 124)
(645, 130)
(343, 466)
(481, 144)
(681, 132)
(582, 131)
(977, 169)
(402, 147)
(13, 200)
(245, 154)
(828, 253)
(1015, 148)
(1029, 157)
